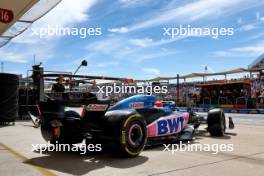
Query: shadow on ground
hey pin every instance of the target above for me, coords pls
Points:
(75, 163)
(200, 134)
(6, 124)
(203, 133)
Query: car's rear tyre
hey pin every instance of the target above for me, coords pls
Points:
(216, 122)
(72, 132)
(66, 130)
(131, 135)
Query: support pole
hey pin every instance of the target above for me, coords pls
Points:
(178, 90)
(2, 67)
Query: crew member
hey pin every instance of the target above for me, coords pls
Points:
(58, 87)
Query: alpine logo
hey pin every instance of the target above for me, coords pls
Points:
(170, 126)
(96, 107)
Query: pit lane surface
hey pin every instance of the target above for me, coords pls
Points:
(16, 157)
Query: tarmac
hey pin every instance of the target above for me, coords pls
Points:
(247, 157)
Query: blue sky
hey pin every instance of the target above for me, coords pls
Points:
(132, 43)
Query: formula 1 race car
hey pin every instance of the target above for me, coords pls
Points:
(126, 127)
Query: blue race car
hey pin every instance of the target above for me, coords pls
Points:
(126, 127)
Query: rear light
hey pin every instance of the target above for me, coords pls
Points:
(39, 111)
(56, 132)
(158, 104)
(83, 111)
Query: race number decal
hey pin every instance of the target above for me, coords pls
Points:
(6, 16)
(96, 107)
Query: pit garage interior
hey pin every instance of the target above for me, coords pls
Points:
(17, 157)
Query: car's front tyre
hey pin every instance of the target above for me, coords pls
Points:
(216, 122)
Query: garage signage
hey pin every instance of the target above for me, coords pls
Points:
(6, 16)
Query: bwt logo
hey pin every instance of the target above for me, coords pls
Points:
(168, 126)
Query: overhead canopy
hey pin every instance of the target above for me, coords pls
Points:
(12, 10)
(17, 15)
(155, 79)
(234, 71)
(257, 64)
(196, 75)
(224, 83)
(192, 75)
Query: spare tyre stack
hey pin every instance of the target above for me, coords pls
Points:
(8, 97)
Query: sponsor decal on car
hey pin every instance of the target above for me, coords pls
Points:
(136, 105)
(168, 125)
(96, 107)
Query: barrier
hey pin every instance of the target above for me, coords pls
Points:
(232, 110)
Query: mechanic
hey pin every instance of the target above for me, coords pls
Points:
(58, 87)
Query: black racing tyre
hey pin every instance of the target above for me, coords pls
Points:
(131, 136)
(216, 122)
(47, 132)
(8, 97)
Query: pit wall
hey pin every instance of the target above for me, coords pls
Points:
(229, 110)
